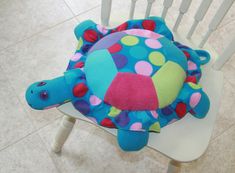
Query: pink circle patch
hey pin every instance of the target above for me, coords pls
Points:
(154, 114)
(194, 99)
(136, 126)
(192, 65)
(102, 29)
(152, 43)
(143, 68)
(92, 119)
(143, 33)
(76, 57)
(94, 100)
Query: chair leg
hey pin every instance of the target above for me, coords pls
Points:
(63, 132)
(174, 167)
(105, 11)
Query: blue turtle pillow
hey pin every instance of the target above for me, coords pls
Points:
(134, 77)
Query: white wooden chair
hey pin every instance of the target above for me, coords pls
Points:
(185, 140)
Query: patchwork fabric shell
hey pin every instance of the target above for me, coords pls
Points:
(134, 75)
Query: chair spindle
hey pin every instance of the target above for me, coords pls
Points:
(203, 8)
(221, 12)
(184, 6)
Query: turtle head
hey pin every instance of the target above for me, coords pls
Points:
(52, 93)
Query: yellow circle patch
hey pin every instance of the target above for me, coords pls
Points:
(130, 40)
(157, 58)
(114, 112)
(155, 127)
(80, 43)
(194, 86)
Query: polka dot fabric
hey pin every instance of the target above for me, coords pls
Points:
(142, 52)
(139, 54)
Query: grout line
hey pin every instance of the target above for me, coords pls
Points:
(29, 134)
(49, 153)
(212, 140)
(31, 120)
(37, 33)
(43, 143)
(35, 129)
(48, 28)
(80, 14)
(87, 10)
(18, 99)
(228, 80)
(17, 141)
(69, 8)
(225, 24)
(76, 15)
(233, 91)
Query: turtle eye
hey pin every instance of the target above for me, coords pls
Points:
(41, 83)
(44, 95)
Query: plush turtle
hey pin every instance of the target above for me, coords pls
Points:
(134, 77)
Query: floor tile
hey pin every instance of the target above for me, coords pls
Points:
(219, 157)
(222, 37)
(79, 7)
(14, 122)
(229, 73)
(90, 149)
(226, 115)
(44, 56)
(21, 19)
(93, 14)
(26, 156)
(231, 61)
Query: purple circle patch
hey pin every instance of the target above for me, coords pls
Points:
(167, 110)
(122, 119)
(82, 106)
(120, 60)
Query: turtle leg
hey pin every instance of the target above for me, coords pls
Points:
(199, 103)
(132, 140)
(82, 27)
(196, 99)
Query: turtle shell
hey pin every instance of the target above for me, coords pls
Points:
(135, 70)
(131, 80)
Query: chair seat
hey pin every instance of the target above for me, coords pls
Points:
(185, 140)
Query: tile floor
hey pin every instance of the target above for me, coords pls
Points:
(36, 40)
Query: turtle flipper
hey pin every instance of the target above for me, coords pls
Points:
(195, 98)
(82, 27)
(87, 34)
(200, 104)
(132, 140)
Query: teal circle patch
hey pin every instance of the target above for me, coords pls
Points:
(138, 52)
